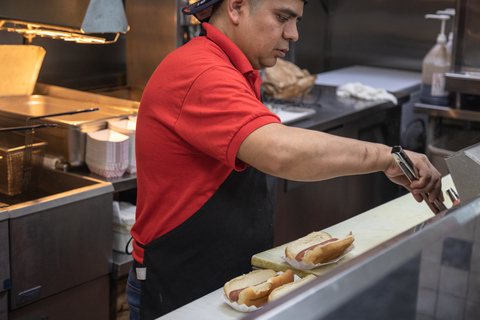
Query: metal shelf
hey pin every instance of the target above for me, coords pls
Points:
(447, 112)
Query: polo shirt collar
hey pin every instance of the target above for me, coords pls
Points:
(236, 56)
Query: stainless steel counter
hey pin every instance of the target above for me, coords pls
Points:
(333, 111)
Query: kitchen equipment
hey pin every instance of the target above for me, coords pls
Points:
(19, 65)
(464, 166)
(27, 174)
(13, 155)
(464, 78)
(72, 21)
(67, 141)
(452, 194)
(5, 265)
(63, 231)
(411, 172)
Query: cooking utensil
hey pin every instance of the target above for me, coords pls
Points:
(37, 126)
(27, 158)
(67, 141)
(453, 196)
(12, 154)
(411, 172)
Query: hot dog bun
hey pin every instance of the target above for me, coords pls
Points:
(252, 289)
(321, 253)
(286, 288)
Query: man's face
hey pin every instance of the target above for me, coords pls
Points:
(267, 29)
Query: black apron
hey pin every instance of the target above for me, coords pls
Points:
(213, 246)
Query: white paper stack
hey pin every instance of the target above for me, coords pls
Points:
(127, 127)
(107, 153)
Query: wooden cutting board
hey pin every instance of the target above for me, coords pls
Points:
(19, 68)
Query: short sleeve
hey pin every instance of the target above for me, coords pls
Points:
(219, 111)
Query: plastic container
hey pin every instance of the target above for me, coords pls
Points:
(449, 44)
(123, 220)
(435, 64)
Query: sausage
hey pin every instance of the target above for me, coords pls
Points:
(235, 293)
(302, 253)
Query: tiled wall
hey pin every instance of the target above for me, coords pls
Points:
(450, 277)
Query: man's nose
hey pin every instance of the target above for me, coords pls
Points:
(291, 32)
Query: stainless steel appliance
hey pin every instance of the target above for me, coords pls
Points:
(60, 248)
(71, 21)
(5, 265)
(464, 79)
(66, 141)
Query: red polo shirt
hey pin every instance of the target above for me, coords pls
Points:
(200, 104)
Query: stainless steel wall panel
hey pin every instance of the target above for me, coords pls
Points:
(309, 50)
(152, 35)
(391, 34)
(466, 48)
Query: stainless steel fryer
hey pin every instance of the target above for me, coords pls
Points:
(67, 141)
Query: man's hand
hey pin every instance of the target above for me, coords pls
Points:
(429, 178)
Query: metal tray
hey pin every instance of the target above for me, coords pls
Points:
(67, 141)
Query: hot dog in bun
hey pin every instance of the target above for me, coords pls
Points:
(318, 247)
(286, 288)
(253, 288)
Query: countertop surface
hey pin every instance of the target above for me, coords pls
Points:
(332, 111)
(371, 228)
(392, 80)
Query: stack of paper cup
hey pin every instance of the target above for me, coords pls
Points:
(127, 127)
(107, 153)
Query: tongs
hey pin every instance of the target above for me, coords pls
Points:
(410, 171)
(24, 128)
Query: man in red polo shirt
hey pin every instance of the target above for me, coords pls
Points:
(205, 144)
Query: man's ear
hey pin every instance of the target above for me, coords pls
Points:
(235, 9)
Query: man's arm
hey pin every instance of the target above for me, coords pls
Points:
(308, 155)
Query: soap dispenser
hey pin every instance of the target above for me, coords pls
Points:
(435, 64)
(449, 44)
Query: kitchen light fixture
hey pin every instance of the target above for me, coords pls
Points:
(80, 21)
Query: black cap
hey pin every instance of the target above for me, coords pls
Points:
(202, 9)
